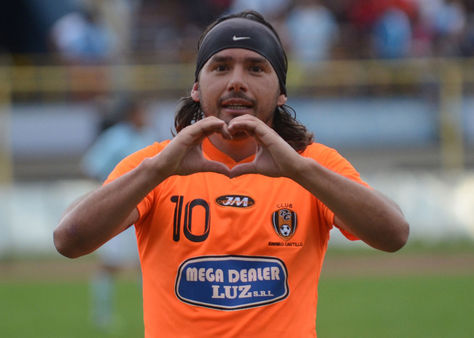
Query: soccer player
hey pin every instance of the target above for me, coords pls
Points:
(129, 134)
(232, 215)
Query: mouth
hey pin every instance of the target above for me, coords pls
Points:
(237, 106)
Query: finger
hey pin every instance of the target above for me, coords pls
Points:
(242, 169)
(223, 130)
(251, 125)
(209, 126)
(216, 167)
(242, 124)
(241, 131)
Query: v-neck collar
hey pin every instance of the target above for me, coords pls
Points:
(212, 153)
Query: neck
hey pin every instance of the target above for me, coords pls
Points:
(235, 149)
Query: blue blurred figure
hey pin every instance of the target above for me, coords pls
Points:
(124, 137)
(80, 36)
(392, 35)
(312, 31)
(112, 145)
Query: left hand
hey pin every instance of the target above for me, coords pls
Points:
(361, 211)
(274, 156)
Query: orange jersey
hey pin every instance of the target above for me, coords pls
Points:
(236, 257)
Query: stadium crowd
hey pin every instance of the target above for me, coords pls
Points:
(312, 30)
(322, 29)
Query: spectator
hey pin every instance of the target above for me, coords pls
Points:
(201, 13)
(119, 17)
(369, 17)
(449, 24)
(80, 37)
(422, 36)
(312, 31)
(467, 43)
(272, 9)
(392, 35)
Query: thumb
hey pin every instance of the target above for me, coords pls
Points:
(216, 167)
(242, 169)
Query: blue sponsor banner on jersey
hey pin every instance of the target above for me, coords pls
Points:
(232, 282)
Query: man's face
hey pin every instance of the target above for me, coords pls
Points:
(235, 82)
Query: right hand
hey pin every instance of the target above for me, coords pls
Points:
(184, 156)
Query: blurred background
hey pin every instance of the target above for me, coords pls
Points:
(389, 83)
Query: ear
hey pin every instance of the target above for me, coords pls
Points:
(195, 92)
(282, 98)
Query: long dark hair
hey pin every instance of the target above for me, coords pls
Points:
(284, 117)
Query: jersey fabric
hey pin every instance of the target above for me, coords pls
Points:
(236, 257)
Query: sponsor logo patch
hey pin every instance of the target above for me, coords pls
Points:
(284, 222)
(232, 282)
(236, 201)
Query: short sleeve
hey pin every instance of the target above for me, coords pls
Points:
(131, 162)
(334, 161)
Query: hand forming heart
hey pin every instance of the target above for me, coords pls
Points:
(183, 156)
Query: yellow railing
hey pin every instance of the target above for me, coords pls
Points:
(178, 77)
(6, 165)
(450, 76)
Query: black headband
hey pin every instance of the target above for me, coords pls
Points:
(246, 34)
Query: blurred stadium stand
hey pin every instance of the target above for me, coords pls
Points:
(412, 114)
(404, 119)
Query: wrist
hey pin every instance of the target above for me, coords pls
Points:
(153, 171)
(304, 169)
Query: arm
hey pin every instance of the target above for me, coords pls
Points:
(102, 214)
(363, 212)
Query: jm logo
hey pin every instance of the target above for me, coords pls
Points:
(237, 201)
(244, 202)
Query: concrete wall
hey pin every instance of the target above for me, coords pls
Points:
(438, 207)
(48, 130)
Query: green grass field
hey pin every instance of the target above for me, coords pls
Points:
(418, 305)
(429, 306)
(61, 310)
(409, 306)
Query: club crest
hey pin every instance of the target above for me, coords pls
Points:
(284, 222)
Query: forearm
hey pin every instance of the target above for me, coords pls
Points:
(112, 208)
(105, 212)
(361, 211)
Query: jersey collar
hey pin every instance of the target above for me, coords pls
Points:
(214, 154)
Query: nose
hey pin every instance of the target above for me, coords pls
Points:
(237, 81)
